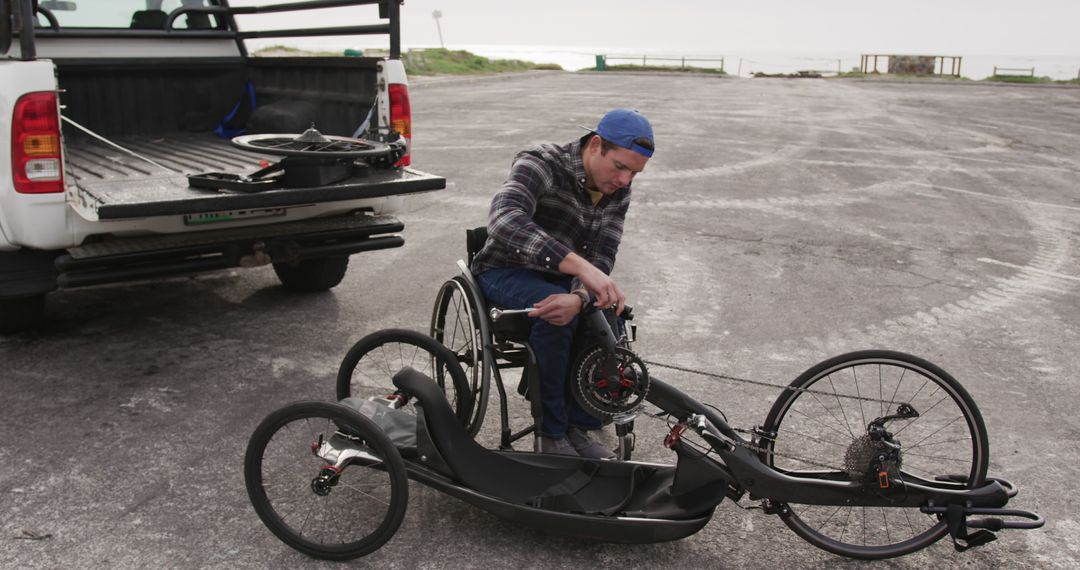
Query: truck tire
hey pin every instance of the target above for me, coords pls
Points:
(312, 275)
(21, 313)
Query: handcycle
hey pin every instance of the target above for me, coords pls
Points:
(872, 454)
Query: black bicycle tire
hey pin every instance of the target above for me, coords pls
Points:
(480, 383)
(462, 400)
(244, 142)
(975, 425)
(357, 425)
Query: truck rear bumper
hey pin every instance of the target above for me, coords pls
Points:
(127, 259)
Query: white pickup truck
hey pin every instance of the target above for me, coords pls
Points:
(108, 106)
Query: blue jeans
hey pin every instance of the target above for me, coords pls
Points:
(518, 288)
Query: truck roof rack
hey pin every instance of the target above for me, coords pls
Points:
(390, 10)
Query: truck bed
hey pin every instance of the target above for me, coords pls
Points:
(113, 184)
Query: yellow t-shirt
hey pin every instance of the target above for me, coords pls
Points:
(596, 196)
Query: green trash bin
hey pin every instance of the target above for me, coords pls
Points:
(601, 62)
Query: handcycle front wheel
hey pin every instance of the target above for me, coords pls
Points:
(826, 428)
(368, 369)
(455, 322)
(322, 511)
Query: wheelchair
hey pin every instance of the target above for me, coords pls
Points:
(486, 342)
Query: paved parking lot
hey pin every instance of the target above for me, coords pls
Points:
(781, 222)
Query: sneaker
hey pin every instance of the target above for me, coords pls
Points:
(585, 446)
(556, 445)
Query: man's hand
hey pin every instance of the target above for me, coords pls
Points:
(606, 291)
(558, 309)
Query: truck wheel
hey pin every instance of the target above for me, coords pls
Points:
(20, 313)
(312, 275)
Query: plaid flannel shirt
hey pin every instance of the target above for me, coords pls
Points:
(543, 212)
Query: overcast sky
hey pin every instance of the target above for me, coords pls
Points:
(962, 27)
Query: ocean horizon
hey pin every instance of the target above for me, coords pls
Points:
(745, 64)
(736, 63)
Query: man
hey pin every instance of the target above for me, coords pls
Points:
(553, 232)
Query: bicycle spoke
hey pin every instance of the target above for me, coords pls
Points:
(951, 422)
(364, 493)
(822, 424)
(858, 393)
(908, 448)
(847, 520)
(841, 406)
(842, 423)
(880, 393)
(863, 526)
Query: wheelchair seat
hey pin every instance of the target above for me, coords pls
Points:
(510, 328)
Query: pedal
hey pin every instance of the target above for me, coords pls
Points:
(956, 517)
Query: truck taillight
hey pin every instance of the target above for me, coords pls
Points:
(35, 144)
(401, 117)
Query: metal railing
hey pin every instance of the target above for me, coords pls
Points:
(602, 60)
(1014, 71)
(865, 65)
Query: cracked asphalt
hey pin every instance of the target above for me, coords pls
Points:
(781, 222)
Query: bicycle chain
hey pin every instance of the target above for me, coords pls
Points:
(765, 384)
(749, 445)
(775, 453)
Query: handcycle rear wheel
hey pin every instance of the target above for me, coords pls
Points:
(312, 508)
(455, 322)
(828, 428)
(368, 369)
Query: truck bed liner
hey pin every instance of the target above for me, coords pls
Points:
(113, 184)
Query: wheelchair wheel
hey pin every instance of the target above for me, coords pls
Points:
(336, 512)
(368, 369)
(828, 429)
(455, 322)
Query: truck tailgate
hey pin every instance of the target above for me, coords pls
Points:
(113, 184)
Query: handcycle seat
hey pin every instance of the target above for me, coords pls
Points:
(557, 482)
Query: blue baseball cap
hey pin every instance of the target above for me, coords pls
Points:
(627, 128)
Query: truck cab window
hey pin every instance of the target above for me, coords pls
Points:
(128, 14)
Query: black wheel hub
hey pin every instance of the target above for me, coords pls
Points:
(325, 481)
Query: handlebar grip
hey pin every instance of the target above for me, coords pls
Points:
(590, 306)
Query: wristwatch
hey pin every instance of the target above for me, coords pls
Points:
(583, 296)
